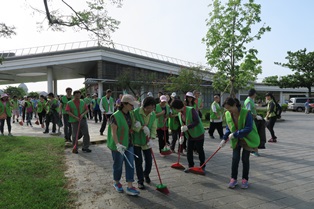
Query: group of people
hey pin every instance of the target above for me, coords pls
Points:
(134, 126)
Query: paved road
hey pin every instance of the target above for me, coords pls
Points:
(283, 177)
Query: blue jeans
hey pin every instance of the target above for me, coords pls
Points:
(236, 160)
(118, 159)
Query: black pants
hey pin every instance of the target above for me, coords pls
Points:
(199, 145)
(41, 116)
(67, 127)
(175, 136)
(236, 160)
(161, 138)
(8, 119)
(270, 126)
(139, 163)
(213, 126)
(104, 122)
(50, 118)
(97, 113)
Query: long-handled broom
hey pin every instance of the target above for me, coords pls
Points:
(199, 170)
(159, 187)
(166, 150)
(178, 165)
(74, 150)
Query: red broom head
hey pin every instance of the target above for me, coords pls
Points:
(165, 151)
(177, 166)
(197, 170)
(37, 123)
(162, 188)
(21, 123)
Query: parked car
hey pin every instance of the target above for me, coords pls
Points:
(297, 103)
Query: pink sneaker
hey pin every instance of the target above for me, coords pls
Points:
(233, 183)
(245, 184)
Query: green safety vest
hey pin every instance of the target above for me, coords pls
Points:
(193, 132)
(218, 109)
(95, 101)
(160, 120)
(15, 104)
(28, 105)
(74, 110)
(40, 106)
(64, 101)
(173, 123)
(252, 139)
(139, 137)
(87, 100)
(272, 114)
(122, 131)
(105, 104)
(253, 109)
(6, 108)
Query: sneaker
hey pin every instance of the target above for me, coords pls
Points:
(245, 184)
(271, 140)
(13, 121)
(132, 191)
(101, 133)
(233, 183)
(10, 134)
(187, 170)
(173, 151)
(118, 187)
(86, 150)
(147, 179)
(2, 134)
(141, 186)
(256, 154)
(75, 151)
(46, 132)
(212, 137)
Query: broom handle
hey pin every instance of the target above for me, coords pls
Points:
(213, 155)
(180, 146)
(155, 165)
(77, 133)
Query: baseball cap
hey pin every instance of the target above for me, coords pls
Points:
(149, 94)
(173, 94)
(4, 95)
(128, 98)
(163, 98)
(268, 94)
(189, 94)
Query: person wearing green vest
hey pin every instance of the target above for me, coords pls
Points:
(107, 109)
(15, 109)
(63, 114)
(119, 139)
(162, 114)
(271, 116)
(5, 113)
(88, 102)
(174, 126)
(28, 106)
(193, 130)
(52, 114)
(77, 110)
(41, 110)
(216, 113)
(199, 102)
(144, 128)
(242, 133)
(260, 124)
(95, 108)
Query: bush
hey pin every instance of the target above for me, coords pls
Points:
(284, 107)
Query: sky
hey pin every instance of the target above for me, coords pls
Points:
(173, 28)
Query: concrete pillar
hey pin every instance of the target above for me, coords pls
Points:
(100, 89)
(49, 79)
(55, 87)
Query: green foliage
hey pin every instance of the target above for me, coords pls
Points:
(284, 107)
(188, 79)
(271, 81)
(14, 91)
(301, 63)
(32, 173)
(33, 94)
(229, 33)
(93, 18)
(261, 111)
(83, 91)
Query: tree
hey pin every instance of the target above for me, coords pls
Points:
(6, 32)
(33, 94)
(229, 33)
(188, 79)
(302, 64)
(14, 91)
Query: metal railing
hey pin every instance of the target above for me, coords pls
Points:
(94, 43)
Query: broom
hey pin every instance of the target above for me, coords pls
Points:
(166, 150)
(159, 187)
(177, 165)
(74, 150)
(199, 170)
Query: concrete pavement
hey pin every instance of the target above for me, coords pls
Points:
(283, 177)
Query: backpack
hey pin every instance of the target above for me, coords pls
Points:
(278, 110)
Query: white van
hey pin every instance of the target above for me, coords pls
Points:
(297, 103)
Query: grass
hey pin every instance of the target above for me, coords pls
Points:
(32, 173)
